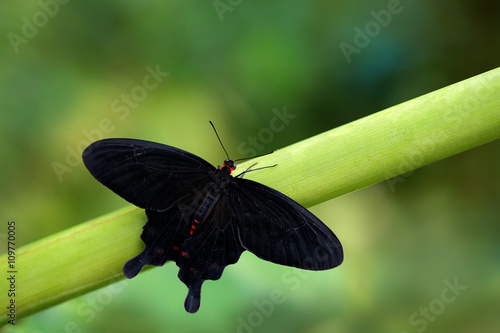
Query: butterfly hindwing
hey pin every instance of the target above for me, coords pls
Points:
(213, 245)
(150, 175)
(276, 228)
(161, 235)
(202, 245)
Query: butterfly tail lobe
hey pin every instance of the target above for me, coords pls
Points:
(192, 302)
(134, 266)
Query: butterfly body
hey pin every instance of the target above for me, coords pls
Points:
(203, 218)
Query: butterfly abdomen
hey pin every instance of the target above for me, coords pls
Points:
(200, 215)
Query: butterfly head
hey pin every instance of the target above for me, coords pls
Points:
(228, 166)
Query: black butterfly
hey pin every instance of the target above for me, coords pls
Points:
(203, 218)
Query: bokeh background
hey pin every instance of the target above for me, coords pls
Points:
(66, 68)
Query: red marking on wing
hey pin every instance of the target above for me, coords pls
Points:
(193, 227)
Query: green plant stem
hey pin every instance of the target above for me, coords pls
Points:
(367, 151)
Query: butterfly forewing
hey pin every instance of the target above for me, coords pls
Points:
(276, 228)
(148, 174)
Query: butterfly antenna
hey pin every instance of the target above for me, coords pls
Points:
(249, 169)
(219, 138)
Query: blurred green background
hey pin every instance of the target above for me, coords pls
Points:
(66, 70)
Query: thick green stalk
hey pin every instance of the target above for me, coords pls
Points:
(373, 149)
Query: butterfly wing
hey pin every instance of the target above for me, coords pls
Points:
(213, 246)
(162, 234)
(150, 175)
(201, 255)
(276, 228)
